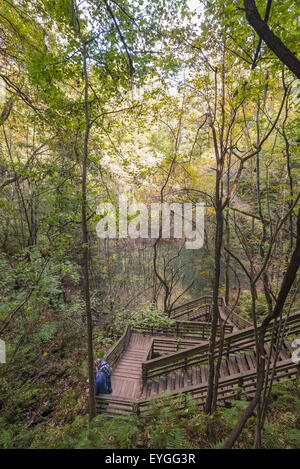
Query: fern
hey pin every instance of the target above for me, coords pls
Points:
(270, 438)
(45, 333)
(233, 414)
(218, 444)
(120, 432)
(292, 438)
(168, 437)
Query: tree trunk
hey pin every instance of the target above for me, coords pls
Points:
(85, 243)
(215, 308)
(273, 42)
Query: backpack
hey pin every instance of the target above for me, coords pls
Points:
(106, 369)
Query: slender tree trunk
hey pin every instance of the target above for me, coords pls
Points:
(220, 158)
(227, 232)
(215, 308)
(85, 241)
(218, 367)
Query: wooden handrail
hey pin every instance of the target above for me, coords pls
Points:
(182, 329)
(234, 343)
(195, 313)
(150, 349)
(229, 386)
(238, 321)
(115, 352)
(202, 306)
(174, 344)
(187, 310)
(186, 305)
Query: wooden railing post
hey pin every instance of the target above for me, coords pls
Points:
(136, 408)
(127, 340)
(185, 364)
(227, 350)
(144, 374)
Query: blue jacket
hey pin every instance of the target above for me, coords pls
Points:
(100, 383)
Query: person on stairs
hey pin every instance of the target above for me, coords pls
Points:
(103, 367)
(100, 383)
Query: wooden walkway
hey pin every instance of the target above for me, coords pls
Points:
(180, 366)
(126, 378)
(127, 374)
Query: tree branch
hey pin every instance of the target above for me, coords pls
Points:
(273, 42)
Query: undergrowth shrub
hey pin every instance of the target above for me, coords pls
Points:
(148, 316)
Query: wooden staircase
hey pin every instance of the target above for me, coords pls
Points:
(238, 364)
(149, 361)
(127, 373)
